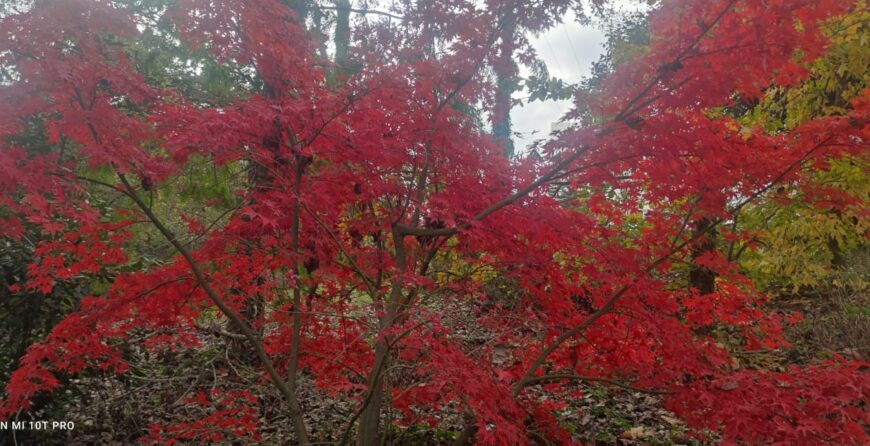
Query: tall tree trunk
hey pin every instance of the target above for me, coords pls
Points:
(506, 71)
(838, 257)
(700, 277)
(341, 39)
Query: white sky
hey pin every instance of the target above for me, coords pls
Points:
(569, 50)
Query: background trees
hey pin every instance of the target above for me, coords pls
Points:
(227, 183)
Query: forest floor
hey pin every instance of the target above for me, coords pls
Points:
(116, 410)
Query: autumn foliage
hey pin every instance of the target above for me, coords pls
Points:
(371, 221)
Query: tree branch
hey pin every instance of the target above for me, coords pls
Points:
(246, 329)
(608, 306)
(495, 207)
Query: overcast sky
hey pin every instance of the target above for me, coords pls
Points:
(569, 50)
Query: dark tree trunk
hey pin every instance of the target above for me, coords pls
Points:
(506, 84)
(701, 278)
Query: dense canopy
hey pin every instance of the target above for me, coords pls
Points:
(330, 189)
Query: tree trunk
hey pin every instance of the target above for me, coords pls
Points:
(838, 257)
(341, 39)
(506, 84)
(370, 419)
(467, 435)
(701, 278)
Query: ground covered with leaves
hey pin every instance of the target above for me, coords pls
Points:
(179, 387)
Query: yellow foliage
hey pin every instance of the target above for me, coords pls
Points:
(798, 242)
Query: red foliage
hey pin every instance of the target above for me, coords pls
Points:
(382, 175)
(232, 416)
(823, 404)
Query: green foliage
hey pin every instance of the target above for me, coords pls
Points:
(543, 87)
(628, 37)
(165, 62)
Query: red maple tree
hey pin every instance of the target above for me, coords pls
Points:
(371, 189)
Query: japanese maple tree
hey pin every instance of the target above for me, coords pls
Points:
(374, 222)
